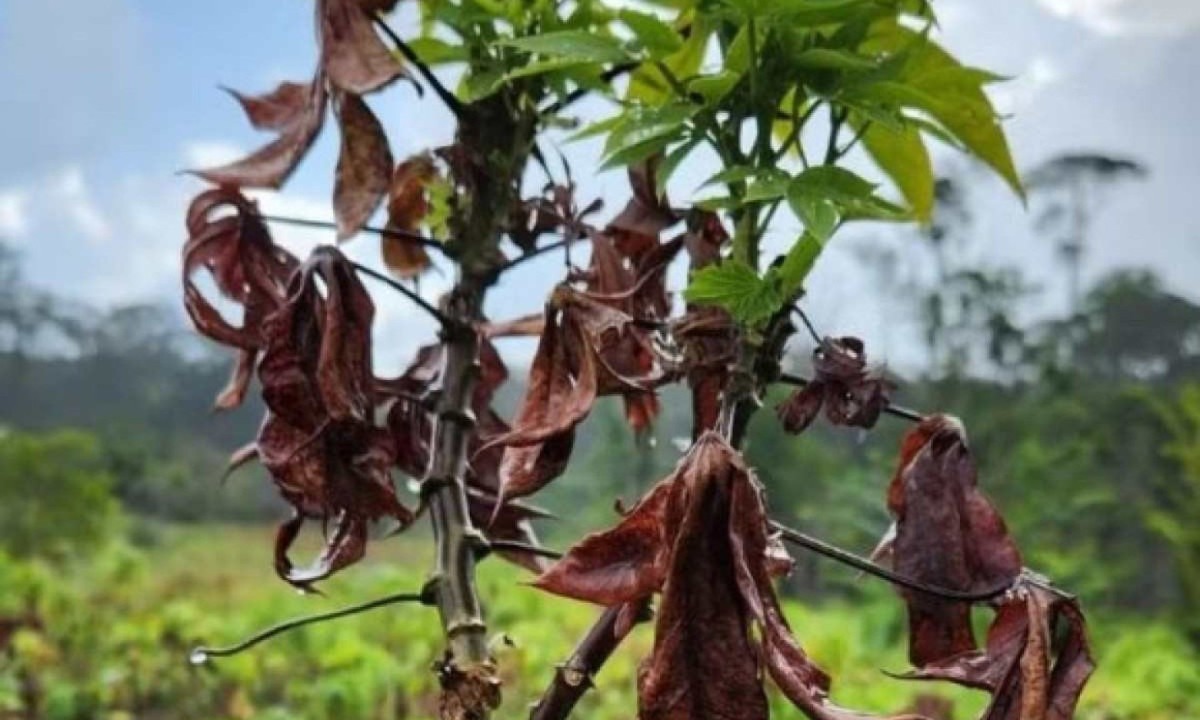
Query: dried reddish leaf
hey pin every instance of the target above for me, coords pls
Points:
(407, 207)
(352, 54)
(570, 369)
(296, 119)
(364, 165)
(1036, 661)
(247, 268)
(319, 440)
(637, 227)
(277, 109)
(948, 535)
(700, 537)
(850, 394)
(707, 339)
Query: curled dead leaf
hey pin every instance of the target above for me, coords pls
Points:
(364, 165)
(842, 385)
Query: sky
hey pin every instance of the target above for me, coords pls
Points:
(107, 100)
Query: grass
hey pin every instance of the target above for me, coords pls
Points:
(118, 630)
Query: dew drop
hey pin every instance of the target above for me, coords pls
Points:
(198, 657)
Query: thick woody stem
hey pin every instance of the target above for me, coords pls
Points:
(470, 688)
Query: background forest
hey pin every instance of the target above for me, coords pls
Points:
(121, 548)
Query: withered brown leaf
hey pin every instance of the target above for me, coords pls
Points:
(296, 112)
(948, 534)
(227, 238)
(570, 369)
(364, 165)
(636, 229)
(407, 207)
(1036, 661)
(352, 54)
(319, 440)
(842, 384)
(701, 538)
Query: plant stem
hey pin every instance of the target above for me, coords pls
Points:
(448, 98)
(202, 654)
(468, 673)
(414, 297)
(413, 237)
(860, 563)
(575, 676)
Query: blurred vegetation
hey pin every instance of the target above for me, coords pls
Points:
(110, 638)
(1086, 424)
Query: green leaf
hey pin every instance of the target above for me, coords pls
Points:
(647, 83)
(832, 59)
(796, 265)
(641, 125)
(540, 67)
(820, 215)
(673, 158)
(732, 174)
(736, 287)
(658, 37)
(824, 195)
(713, 88)
(574, 44)
(433, 51)
(903, 157)
(771, 184)
(810, 13)
(934, 82)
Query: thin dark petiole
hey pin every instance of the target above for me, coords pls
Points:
(418, 238)
(860, 563)
(812, 331)
(417, 299)
(448, 98)
(202, 654)
(517, 546)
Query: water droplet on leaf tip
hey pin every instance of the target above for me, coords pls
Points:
(198, 657)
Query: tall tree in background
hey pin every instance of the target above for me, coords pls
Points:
(1069, 187)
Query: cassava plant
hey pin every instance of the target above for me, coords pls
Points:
(771, 95)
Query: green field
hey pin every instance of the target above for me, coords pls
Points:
(116, 632)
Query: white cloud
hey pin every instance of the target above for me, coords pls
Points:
(1130, 17)
(80, 206)
(210, 153)
(1021, 92)
(14, 214)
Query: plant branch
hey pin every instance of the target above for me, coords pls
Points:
(578, 94)
(518, 546)
(418, 238)
(448, 98)
(812, 331)
(203, 654)
(860, 563)
(893, 410)
(837, 118)
(543, 250)
(575, 676)
(398, 287)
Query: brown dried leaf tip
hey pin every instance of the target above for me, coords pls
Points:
(948, 534)
(850, 393)
(700, 538)
(353, 62)
(319, 440)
